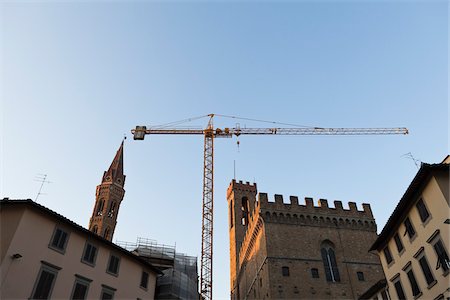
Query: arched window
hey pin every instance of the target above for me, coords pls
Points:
(100, 204)
(95, 229)
(245, 211)
(112, 209)
(329, 261)
(106, 233)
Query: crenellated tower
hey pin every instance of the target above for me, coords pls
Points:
(241, 205)
(290, 250)
(108, 196)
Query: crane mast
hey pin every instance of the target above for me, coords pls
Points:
(208, 172)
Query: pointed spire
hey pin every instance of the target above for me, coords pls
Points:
(115, 171)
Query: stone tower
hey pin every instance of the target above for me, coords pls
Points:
(108, 196)
(298, 250)
(241, 203)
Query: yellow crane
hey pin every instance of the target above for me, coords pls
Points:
(209, 134)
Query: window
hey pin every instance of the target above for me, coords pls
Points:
(106, 233)
(112, 209)
(245, 211)
(113, 264)
(384, 295)
(360, 276)
(409, 228)
(412, 280)
(107, 292)
(285, 271)
(144, 280)
(387, 255)
(231, 214)
(95, 229)
(59, 240)
(399, 289)
(423, 212)
(100, 204)
(315, 273)
(398, 242)
(442, 256)
(45, 281)
(426, 269)
(329, 262)
(90, 254)
(80, 287)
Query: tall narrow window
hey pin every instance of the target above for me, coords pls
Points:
(409, 228)
(100, 204)
(144, 280)
(106, 233)
(423, 212)
(231, 214)
(398, 243)
(442, 256)
(45, 282)
(413, 282)
(426, 269)
(112, 209)
(329, 262)
(399, 289)
(245, 211)
(387, 255)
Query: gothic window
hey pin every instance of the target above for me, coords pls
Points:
(112, 209)
(100, 204)
(106, 233)
(245, 211)
(329, 262)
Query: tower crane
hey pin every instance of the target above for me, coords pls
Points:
(210, 133)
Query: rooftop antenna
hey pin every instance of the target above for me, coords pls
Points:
(415, 160)
(42, 178)
(234, 169)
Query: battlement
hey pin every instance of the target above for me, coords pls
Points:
(308, 206)
(241, 186)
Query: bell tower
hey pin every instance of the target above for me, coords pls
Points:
(241, 204)
(108, 196)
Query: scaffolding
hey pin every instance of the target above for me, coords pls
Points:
(180, 274)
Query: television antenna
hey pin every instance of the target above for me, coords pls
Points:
(42, 178)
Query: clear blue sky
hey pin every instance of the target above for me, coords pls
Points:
(78, 75)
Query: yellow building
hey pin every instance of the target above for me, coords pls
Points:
(414, 244)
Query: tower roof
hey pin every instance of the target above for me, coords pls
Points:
(115, 170)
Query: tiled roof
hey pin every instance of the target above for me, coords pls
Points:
(44, 210)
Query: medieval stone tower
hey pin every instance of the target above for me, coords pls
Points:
(108, 197)
(298, 251)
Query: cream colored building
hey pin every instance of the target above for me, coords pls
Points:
(43, 255)
(414, 244)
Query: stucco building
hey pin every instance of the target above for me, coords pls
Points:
(414, 244)
(44, 254)
(298, 251)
